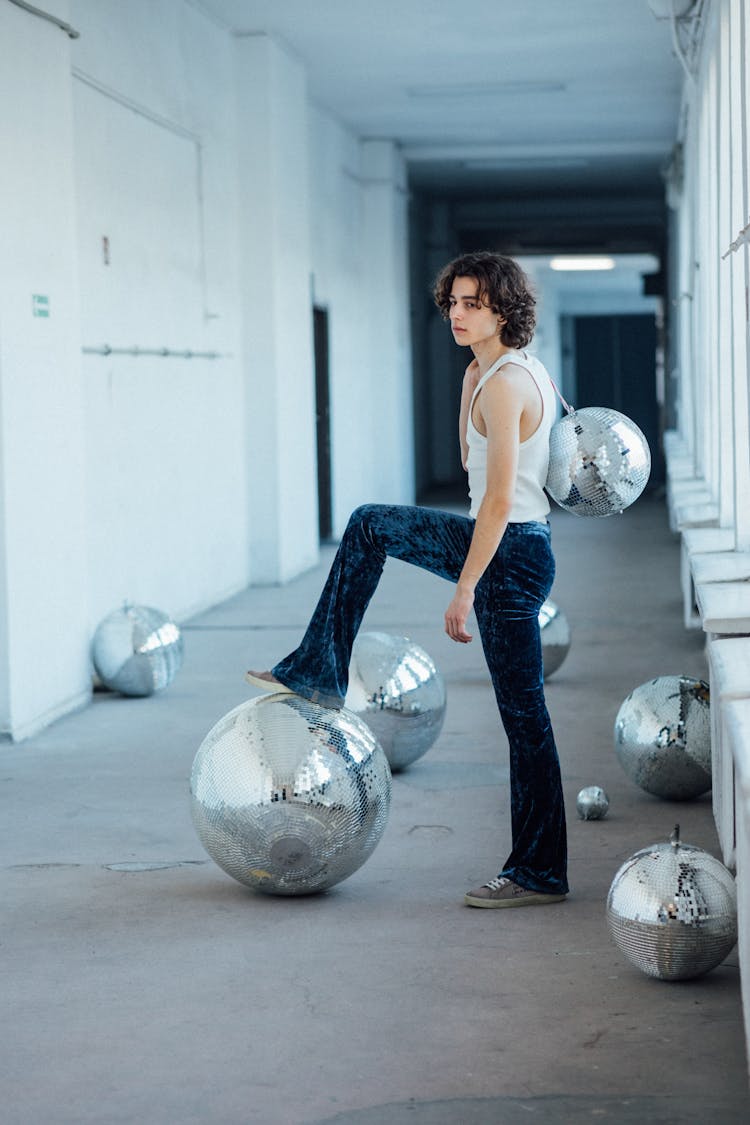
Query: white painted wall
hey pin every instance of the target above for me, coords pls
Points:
(43, 565)
(274, 240)
(168, 186)
(340, 287)
(736, 125)
(546, 344)
(712, 209)
(359, 253)
(712, 262)
(389, 347)
(155, 175)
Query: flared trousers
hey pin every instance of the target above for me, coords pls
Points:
(507, 601)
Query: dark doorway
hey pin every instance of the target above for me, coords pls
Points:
(615, 365)
(323, 422)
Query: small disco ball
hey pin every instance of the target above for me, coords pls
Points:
(592, 803)
(137, 650)
(555, 632)
(663, 737)
(396, 689)
(672, 910)
(288, 797)
(599, 462)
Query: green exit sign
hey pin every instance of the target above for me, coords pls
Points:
(39, 304)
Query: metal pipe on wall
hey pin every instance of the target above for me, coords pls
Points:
(163, 353)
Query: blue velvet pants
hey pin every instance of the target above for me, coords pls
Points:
(507, 602)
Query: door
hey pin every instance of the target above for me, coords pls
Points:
(615, 365)
(323, 422)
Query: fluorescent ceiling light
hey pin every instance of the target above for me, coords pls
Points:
(486, 89)
(582, 263)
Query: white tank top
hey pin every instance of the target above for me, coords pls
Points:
(529, 499)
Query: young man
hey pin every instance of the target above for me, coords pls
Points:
(499, 557)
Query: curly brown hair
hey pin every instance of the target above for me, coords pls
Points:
(501, 285)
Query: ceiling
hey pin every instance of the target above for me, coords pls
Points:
(537, 105)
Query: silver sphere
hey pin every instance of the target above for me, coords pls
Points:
(663, 737)
(592, 803)
(599, 462)
(288, 797)
(672, 910)
(137, 650)
(396, 689)
(555, 632)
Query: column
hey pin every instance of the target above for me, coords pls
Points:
(276, 302)
(388, 357)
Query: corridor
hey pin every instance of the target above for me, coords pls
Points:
(145, 986)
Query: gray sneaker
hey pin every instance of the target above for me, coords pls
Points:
(502, 891)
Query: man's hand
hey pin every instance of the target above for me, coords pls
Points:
(456, 615)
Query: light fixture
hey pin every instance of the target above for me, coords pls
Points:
(582, 262)
(487, 89)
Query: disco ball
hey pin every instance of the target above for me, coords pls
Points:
(555, 632)
(396, 689)
(592, 803)
(672, 910)
(137, 650)
(663, 737)
(599, 462)
(288, 797)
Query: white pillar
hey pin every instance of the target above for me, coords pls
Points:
(276, 301)
(388, 359)
(724, 235)
(738, 264)
(685, 298)
(44, 643)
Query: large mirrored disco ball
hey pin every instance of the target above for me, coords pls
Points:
(592, 803)
(137, 650)
(395, 687)
(599, 462)
(288, 797)
(555, 632)
(663, 737)
(672, 910)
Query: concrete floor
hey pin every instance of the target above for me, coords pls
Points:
(143, 985)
